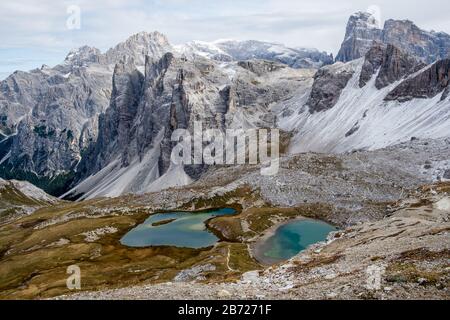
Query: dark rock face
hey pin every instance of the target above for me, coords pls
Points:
(392, 63)
(396, 65)
(427, 84)
(327, 88)
(362, 31)
(447, 175)
(115, 124)
(260, 67)
(131, 115)
(373, 61)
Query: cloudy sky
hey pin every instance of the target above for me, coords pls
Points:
(34, 32)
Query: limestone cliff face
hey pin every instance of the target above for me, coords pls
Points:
(391, 63)
(363, 31)
(115, 123)
(49, 116)
(138, 46)
(327, 88)
(385, 98)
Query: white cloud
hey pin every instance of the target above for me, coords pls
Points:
(319, 23)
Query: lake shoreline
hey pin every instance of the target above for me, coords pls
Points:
(175, 229)
(256, 247)
(259, 247)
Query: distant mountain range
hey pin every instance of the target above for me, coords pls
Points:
(232, 50)
(99, 124)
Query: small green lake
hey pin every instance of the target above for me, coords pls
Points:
(177, 229)
(292, 238)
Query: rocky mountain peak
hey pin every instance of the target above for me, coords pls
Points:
(363, 30)
(84, 55)
(80, 122)
(147, 38)
(363, 19)
(140, 45)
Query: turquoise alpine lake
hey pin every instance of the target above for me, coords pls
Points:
(292, 238)
(176, 229)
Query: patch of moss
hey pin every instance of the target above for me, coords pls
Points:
(315, 263)
(410, 273)
(240, 258)
(226, 228)
(261, 219)
(37, 268)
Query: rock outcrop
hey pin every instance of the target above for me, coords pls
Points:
(432, 81)
(21, 198)
(391, 64)
(328, 85)
(447, 175)
(260, 67)
(342, 113)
